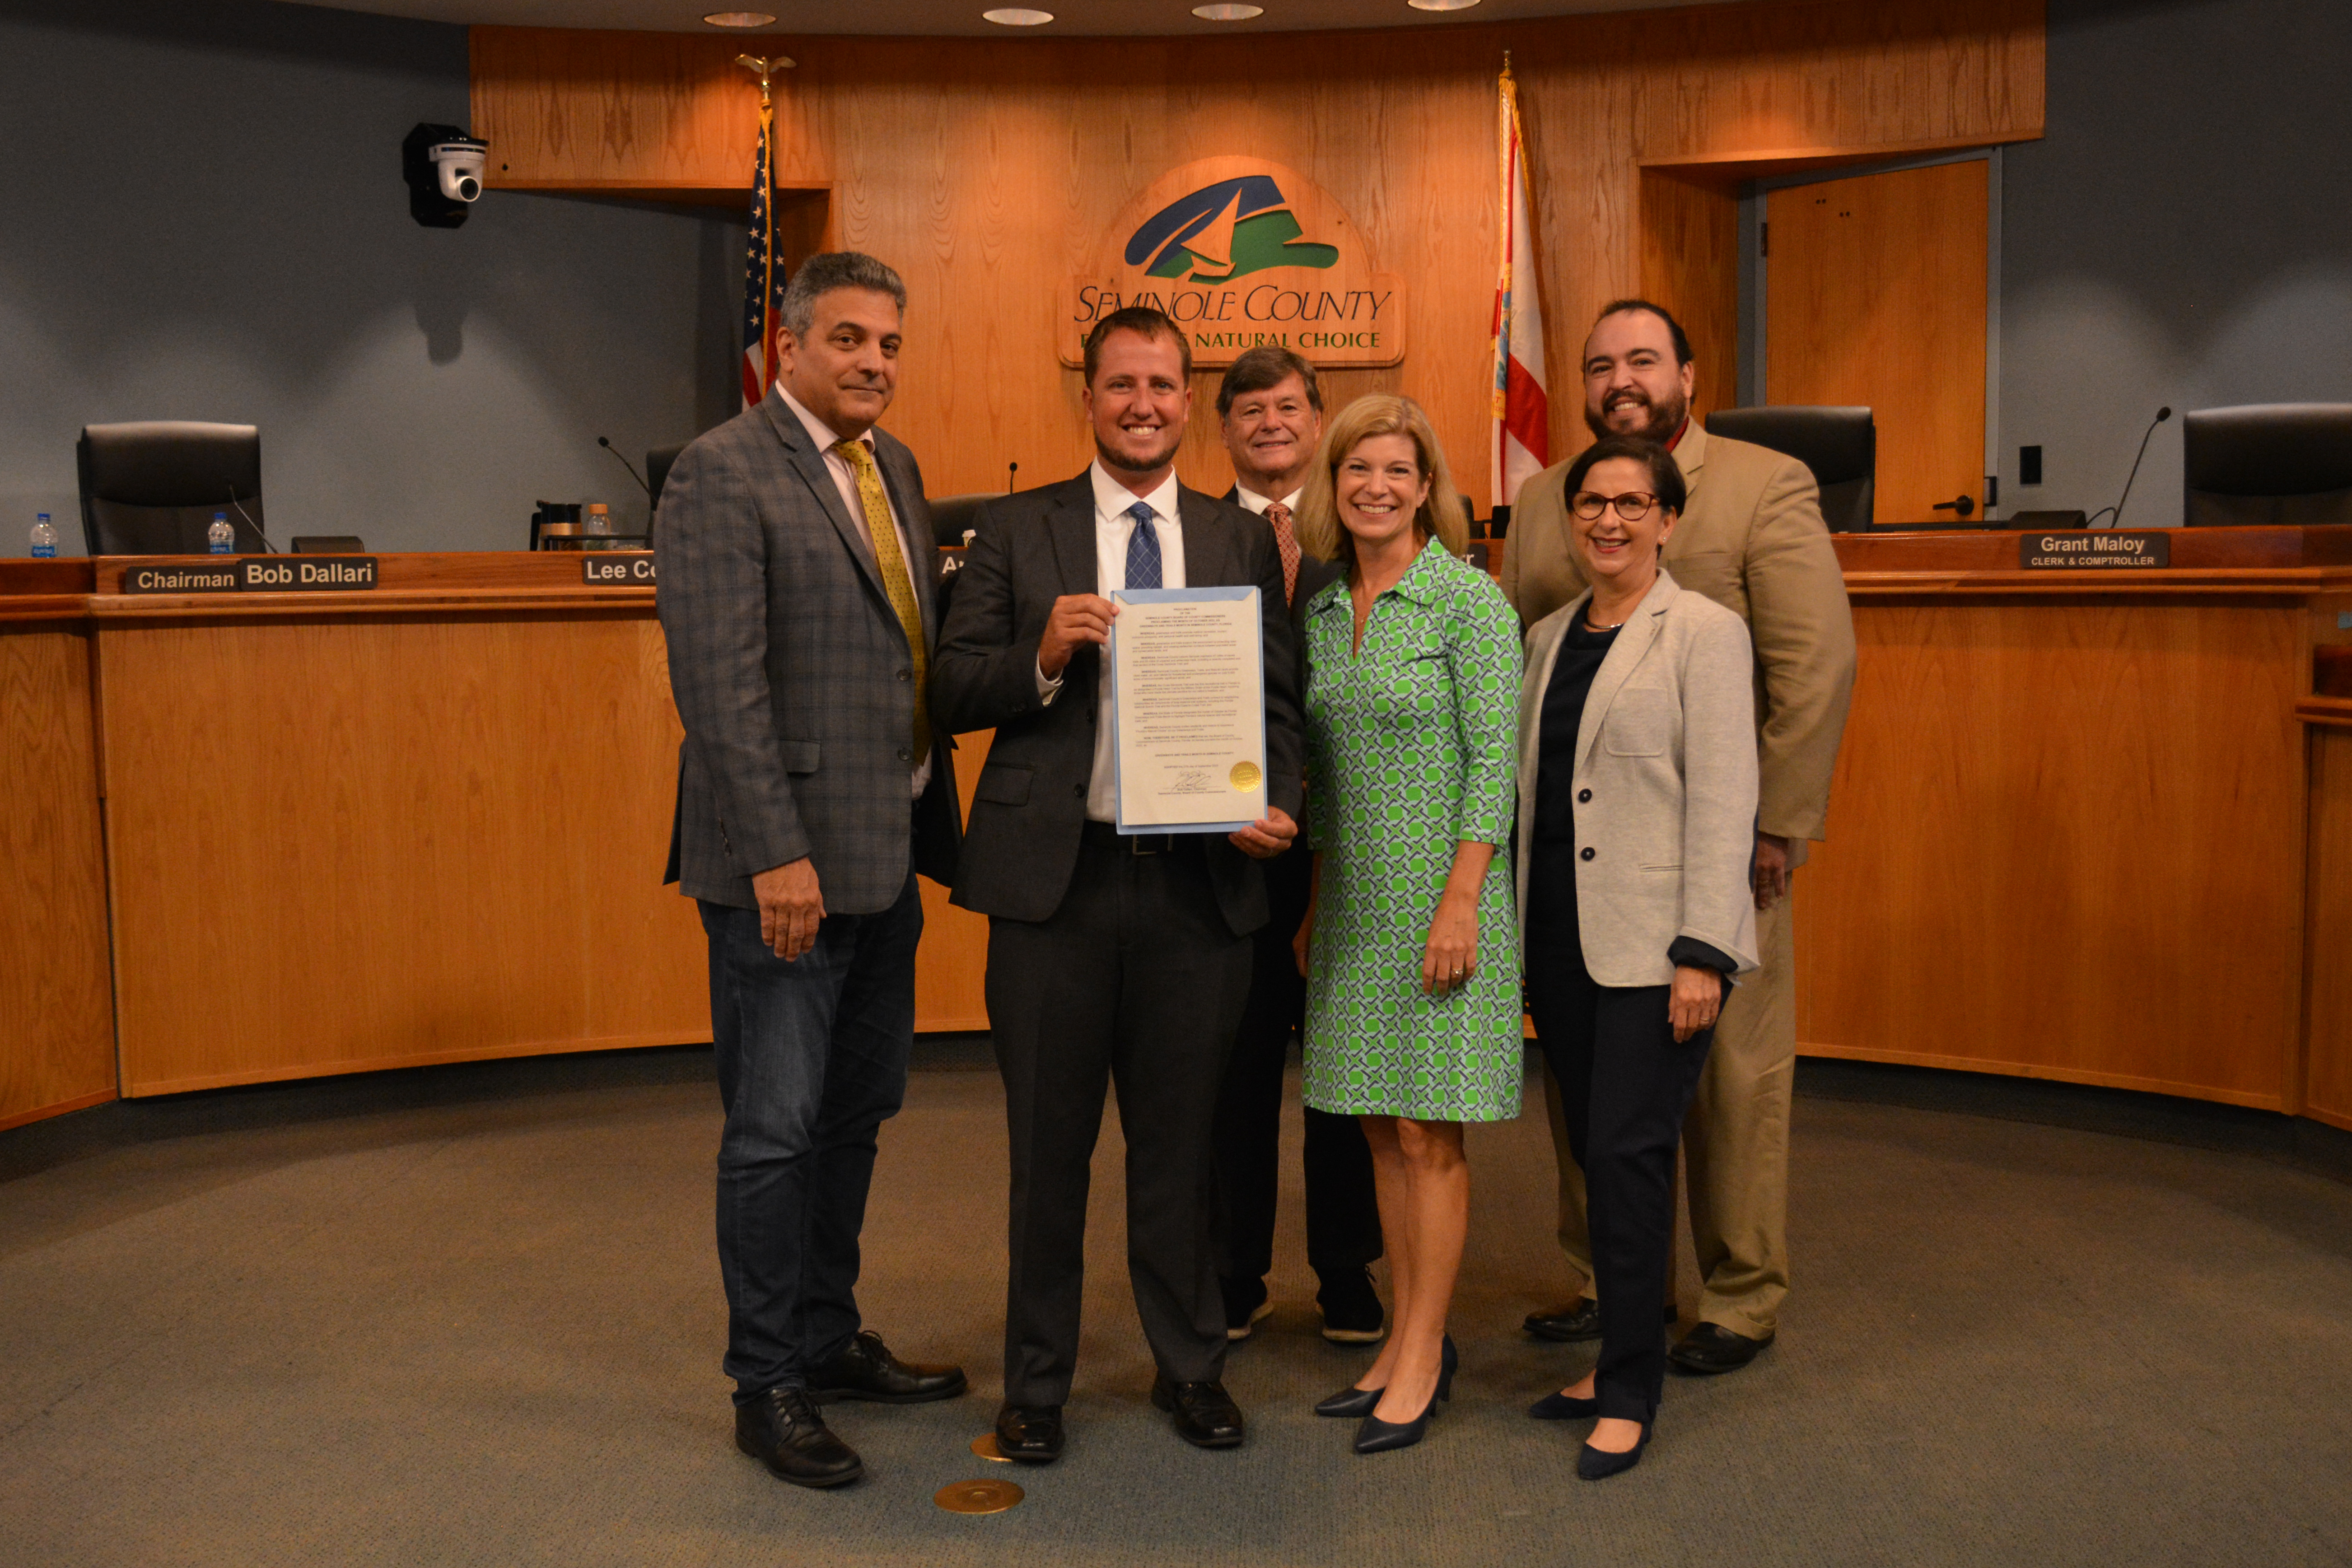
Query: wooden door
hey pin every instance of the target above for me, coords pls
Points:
(1874, 293)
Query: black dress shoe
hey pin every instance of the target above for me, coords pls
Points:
(1206, 1415)
(1245, 1303)
(865, 1369)
(783, 1430)
(1577, 1321)
(1353, 1314)
(1030, 1433)
(1599, 1464)
(1711, 1348)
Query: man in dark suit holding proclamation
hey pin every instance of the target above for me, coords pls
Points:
(1112, 958)
(795, 595)
(1271, 412)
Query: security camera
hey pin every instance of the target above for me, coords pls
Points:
(458, 162)
(443, 165)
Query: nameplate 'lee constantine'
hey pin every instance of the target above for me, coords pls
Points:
(254, 574)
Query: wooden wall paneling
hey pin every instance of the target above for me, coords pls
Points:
(2327, 1052)
(1877, 297)
(565, 108)
(57, 1001)
(2066, 842)
(1690, 264)
(984, 168)
(341, 844)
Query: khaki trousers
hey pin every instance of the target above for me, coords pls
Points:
(1735, 1147)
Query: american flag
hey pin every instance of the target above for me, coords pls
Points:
(763, 277)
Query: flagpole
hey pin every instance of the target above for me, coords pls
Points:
(759, 283)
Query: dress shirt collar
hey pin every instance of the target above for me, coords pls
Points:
(1419, 583)
(1112, 499)
(818, 431)
(1252, 503)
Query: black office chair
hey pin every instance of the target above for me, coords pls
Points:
(658, 464)
(1840, 445)
(328, 544)
(2274, 464)
(950, 515)
(151, 487)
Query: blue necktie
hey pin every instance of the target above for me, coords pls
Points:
(1142, 549)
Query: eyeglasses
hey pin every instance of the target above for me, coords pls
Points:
(1632, 505)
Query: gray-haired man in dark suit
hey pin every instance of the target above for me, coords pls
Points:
(796, 596)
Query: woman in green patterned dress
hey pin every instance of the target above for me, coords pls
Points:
(1413, 974)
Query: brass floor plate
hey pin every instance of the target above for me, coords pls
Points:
(978, 1497)
(985, 1447)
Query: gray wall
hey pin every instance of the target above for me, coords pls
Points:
(2183, 234)
(202, 217)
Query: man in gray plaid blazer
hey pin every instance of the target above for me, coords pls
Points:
(794, 556)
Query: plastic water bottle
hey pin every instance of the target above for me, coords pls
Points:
(45, 538)
(220, 538)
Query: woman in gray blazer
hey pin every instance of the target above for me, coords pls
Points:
(1637, 819)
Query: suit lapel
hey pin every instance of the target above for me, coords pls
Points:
(1625, 655)
(809, 463)
(1211, 559)
(1070, 531)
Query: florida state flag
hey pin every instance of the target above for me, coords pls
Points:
(1522, 443)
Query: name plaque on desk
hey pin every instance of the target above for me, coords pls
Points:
(634, 570)
(255, 575)
(2073, 551)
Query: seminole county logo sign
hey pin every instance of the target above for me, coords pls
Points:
(1241, 252)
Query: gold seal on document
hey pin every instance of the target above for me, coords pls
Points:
(1245, 775)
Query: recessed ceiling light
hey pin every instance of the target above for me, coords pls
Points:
(1227, 12)
(1017, 16)
(1441, 5)
(738, 19)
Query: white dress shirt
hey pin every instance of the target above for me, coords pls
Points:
(1255, 504)
(1113, 527)
(844, 480)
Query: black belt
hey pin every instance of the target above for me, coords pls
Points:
(1106, 836)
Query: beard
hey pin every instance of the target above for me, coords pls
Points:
(1660, 420)
(1119, 462)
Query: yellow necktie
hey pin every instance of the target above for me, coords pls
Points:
(895, 581)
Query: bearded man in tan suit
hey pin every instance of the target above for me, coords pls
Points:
(1752, 540)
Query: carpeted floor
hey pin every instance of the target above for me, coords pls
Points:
(472, 1316)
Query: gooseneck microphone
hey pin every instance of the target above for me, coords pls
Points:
(249, 522)
(2116, 511)
(1011, 471)
(606, 442)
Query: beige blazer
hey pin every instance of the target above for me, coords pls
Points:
(1667, 748)
(1753, 541)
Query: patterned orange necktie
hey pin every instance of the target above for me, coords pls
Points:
(895, 581)
(1286, 541)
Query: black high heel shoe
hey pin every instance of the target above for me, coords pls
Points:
(1376, 1436)
(1564, 1407)
(1599, 1464)
(1353, 1403)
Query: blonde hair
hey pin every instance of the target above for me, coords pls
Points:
(1379, 413)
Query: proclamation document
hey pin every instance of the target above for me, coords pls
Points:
(1188, 710)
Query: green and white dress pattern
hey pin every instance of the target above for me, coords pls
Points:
(1412, 746)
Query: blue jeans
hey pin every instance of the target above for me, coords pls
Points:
(811, 1058)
